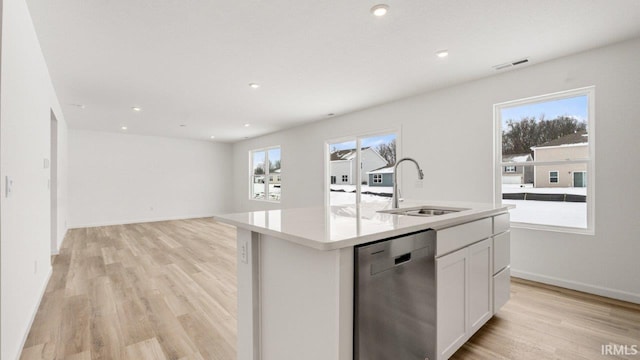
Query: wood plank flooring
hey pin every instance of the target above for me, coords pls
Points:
(164, 290)
(546, 322)
(167, 290)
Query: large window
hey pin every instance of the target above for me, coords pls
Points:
(549, 141)
(360, 169)
(266, 175)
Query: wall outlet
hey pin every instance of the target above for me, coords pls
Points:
(244, 251)
(35, 266)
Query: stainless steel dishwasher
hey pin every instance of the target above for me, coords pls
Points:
(395, 298)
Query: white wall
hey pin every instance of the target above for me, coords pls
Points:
(121, 178)
(26, 99)
(450, 131)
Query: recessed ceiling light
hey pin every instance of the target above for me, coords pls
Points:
(124, 128)
(183, 125)
(212, 136)
(254, 85)
(442, 53)
(79, 106)
(247, 125)
(331, 114)
(136, 108)
(380, 10)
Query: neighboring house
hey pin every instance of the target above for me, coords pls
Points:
(275, 177)
(343, 165)
(512, 174)
(572, 146)
(381, 177)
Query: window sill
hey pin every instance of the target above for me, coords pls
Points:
(551, 228)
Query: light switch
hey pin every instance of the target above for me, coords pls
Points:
(8, 186)
(46, 163)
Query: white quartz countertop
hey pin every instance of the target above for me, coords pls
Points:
(335, 227)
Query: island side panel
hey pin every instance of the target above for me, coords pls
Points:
(306, 301)
(248, 295)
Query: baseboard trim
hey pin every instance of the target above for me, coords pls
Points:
(64, 236)
(139, 221)
(35, 311)
(578, 286)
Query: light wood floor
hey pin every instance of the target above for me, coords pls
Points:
(164, 290)
(167, 290)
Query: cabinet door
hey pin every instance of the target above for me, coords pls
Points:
(451, 283)
(480, 282)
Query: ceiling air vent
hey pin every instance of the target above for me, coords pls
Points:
(510, 64)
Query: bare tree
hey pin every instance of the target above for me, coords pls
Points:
(522, 135)
(388, 151)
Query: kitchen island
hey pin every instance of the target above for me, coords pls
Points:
(296, 274)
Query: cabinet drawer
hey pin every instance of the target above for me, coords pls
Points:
(457, 237)
(501, 251)
(501, 223)
(501, 288)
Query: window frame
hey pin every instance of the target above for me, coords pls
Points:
(267, 173)
(557, 177)
(377, 178)
(358, 140)
(589, 92)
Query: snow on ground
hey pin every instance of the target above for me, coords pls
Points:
(274, 191)
(345, 198)
(557, 213)
(364, 188)
(528, 188)
(349, 195)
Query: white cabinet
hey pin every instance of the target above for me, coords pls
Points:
(501, 251)
(501, 267)
(451, 303)
(480, 284)
(472, 279)
(464, 295)
(501, 288)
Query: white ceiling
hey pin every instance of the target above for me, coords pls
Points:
(190, 61)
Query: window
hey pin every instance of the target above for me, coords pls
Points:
(265, 163)
(355, 166)
(549, 140)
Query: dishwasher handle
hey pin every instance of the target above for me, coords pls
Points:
(389, 263)
(402, 258)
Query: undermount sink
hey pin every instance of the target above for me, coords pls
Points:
(423, 211)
